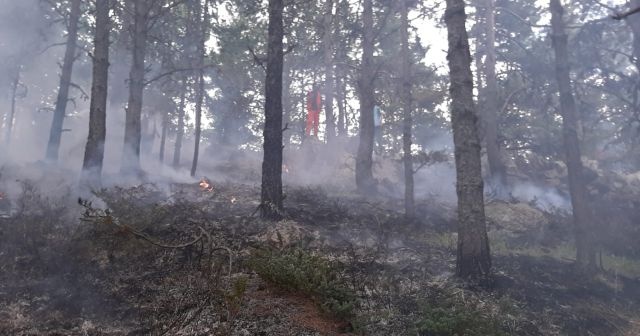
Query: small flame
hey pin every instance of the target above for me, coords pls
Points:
(233, 200)
(205, 185)
(285, 168)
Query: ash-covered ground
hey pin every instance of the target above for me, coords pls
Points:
(159, 258)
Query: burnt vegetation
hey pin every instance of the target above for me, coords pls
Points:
(338, 167)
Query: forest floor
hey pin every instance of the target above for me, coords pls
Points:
(339, 264)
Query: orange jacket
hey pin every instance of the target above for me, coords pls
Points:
(314, 101)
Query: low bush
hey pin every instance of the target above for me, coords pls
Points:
(299, 271)
(451, 319)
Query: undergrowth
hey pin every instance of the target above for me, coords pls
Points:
(456, 320)
(299, 271)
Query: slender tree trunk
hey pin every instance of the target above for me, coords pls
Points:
(65, 82)
(94, 150)
(328, 65)
(345, 105)
(177, 151)
(286, 101)
(634, 24)
(474, 259)
(12, 113)
(133, 127)
(478, 54)
(340, 80)
(409, 202)
(341, 109)
(364, 158)
(163, 135)
(202, 15)
(582, 216)
(489, 97)
(271, 201)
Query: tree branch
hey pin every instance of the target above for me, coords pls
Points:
(621, 16)
(257, 59)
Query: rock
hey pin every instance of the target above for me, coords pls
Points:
(286, 233)
(516, 223)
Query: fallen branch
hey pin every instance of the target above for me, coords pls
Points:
(104, 216)
(92, 214)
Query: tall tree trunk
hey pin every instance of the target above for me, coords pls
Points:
(271, 201)
(345, 105)
(133, 120)
(163, 135)
(65, 82)
(328, 66)
(634, 24)
(340, 80)
(94, 150)
(364, 158)
(286, 101)
(478, 54)
(177, 151)
(409, 202)
(582, 216)
(12, 113)
(489, 97)
(474, 259)
(203, 17)
(341, 108)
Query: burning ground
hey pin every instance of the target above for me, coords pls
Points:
(191, 259)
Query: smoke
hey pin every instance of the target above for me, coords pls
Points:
(544, 198)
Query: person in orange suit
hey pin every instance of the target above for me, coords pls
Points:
(314, 105)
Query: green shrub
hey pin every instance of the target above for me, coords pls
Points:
(456, 320)
(299, 271)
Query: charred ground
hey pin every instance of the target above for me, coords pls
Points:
(352, 266)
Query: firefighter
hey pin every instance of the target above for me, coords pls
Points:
(314, 104)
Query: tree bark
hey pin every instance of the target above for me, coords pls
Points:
(163, 135)
(340, 80)
(55, 134)
(12, 113)
(342, 127)
(94, 150)
(286, 101)
(473, 259)
(271, 201)
(132, 132)
(409, 202)
(177, 151)
(364, 158)
(489, 97)
(582, 216)
(328, 65)
(634, 24)
(203, 17)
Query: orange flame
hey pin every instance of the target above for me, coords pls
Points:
(205, 185)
